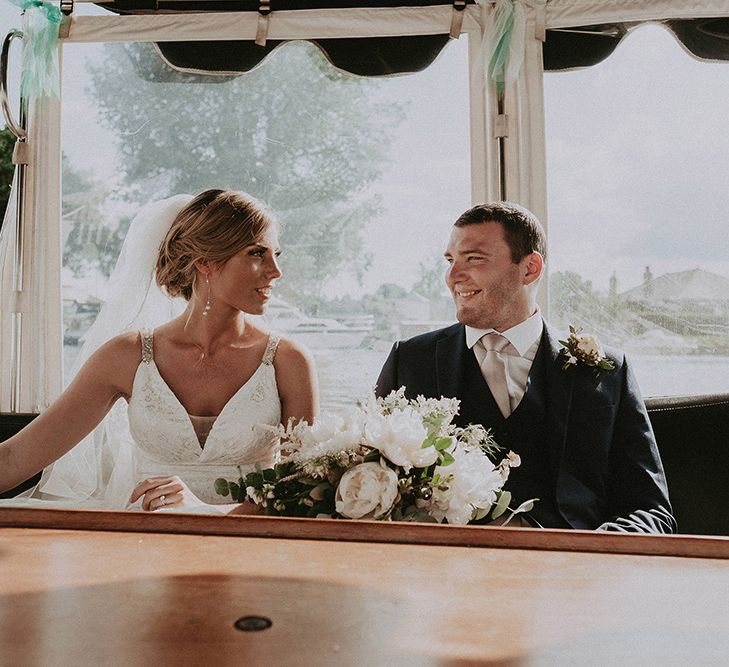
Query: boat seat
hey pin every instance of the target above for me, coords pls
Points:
(692, 433)
(10, 424)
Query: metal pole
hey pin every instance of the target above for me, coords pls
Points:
(20, 157)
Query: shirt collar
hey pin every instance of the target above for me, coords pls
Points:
(522, 336)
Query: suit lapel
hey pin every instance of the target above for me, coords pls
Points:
(459, 376)
(449, 353)
(560, 385)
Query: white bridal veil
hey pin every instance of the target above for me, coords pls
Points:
(99, 471)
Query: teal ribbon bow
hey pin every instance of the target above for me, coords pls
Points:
(41, 74)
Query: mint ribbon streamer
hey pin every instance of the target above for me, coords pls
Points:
(503, 41)
(41, 75)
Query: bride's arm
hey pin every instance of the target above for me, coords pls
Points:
(106, 376)
(297, 384)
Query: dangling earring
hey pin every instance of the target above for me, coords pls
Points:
(206, 310)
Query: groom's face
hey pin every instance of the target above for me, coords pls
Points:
(488, 287)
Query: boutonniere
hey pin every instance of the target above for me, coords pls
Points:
(585, 348)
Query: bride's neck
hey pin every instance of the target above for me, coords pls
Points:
(214, 331)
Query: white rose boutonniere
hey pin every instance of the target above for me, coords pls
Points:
(585, 348)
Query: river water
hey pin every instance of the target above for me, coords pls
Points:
(348, 375)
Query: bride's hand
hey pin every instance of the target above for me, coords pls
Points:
(159, 492)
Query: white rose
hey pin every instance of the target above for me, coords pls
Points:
(399, 437)
(366, 491)
(473, 486)
(589, 345)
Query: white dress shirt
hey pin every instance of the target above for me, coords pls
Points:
(524, 339)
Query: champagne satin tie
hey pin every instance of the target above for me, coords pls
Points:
(494, 370)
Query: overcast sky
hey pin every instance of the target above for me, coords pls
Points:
(638, 157)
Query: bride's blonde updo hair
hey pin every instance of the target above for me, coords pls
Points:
(212, 228)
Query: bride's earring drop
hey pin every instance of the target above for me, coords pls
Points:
(206, 310)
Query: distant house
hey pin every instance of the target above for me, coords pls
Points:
(685, 302)
(697, 286)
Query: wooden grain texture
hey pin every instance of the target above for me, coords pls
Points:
(122, 598)
(370, 531)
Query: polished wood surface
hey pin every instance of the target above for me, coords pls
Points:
(369, 531)
(92, 597)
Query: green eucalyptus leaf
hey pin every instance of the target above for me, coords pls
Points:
(502, 504)
(526, 506)
(319, 491)
(235, 491)
(221, 487)
(480, 513)
(446, 458)
(441, 444)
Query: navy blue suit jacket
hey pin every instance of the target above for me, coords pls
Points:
(604, 461)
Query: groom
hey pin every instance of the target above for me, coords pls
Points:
(586, 446)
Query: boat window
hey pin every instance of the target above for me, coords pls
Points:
(367, 174)
(638, 153)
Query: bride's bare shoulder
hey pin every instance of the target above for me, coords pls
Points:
(290, 353)
(126, 345)
(121, 354)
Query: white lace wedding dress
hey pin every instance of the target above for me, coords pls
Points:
(155, 436)
(169, 441)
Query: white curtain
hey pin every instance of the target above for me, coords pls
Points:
(39, 302)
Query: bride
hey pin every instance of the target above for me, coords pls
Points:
(200, 388)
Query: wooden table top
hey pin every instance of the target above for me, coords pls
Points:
(91, 597)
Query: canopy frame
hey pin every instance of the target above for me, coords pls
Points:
(516, 172)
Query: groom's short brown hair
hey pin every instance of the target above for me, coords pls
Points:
(523, 232)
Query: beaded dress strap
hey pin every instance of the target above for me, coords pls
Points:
(147, 345)
(270, 352)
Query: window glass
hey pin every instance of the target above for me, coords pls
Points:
(367, 175)
(638, 154)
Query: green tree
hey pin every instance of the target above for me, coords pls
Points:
(613, 287)
(431, 284)
(91, 241)
(7, 143)
(301, 135)
(572, 299)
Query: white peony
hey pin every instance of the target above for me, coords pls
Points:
(366, 491)
(329, 435)
(399, 437)
(473, 484)
(589, 345)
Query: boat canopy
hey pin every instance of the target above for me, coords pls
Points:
(567, 47)
(507, 151)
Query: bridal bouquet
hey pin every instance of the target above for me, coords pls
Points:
(391, 458)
